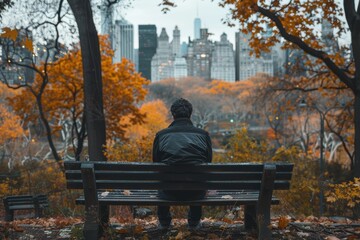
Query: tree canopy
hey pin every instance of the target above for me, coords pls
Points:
(63, 97)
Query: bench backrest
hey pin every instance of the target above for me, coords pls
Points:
(224, 176)
(19, 200)
(42, 200)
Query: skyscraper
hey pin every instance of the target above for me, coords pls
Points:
(175, 43)
(183, 49)
(197, 27)
(248, 65)
(123, 41)
(14, 52)
(162, 63)
(328, 38)
(147, 48)
(199, 56)
(223, 60)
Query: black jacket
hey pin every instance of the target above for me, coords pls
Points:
(182, 143)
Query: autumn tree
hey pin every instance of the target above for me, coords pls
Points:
(20, 56)
(296, 22)
(64, 97)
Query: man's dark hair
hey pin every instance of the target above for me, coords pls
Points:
(181, 108)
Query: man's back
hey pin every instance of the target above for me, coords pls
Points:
(182, 143)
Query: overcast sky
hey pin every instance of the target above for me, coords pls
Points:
(148, 12)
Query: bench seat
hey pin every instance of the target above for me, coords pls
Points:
(150, 198)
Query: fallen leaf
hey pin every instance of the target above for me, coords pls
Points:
(138, 229)
(121, 230)
(227, 220)
(283, 222)
(18, 228)
(126, 192)
(331, 238)
(104, 194)
(227, 197)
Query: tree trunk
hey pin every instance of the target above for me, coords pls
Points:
(91, 60)
(353, 18)
(355, 165)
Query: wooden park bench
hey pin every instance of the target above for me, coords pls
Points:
(24, 202)
(120, 183)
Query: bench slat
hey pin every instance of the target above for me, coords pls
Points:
(22, 207)
(149, 201)
(110, 184)
(141, 175)
(126, 166)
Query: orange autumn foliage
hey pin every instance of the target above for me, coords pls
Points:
(63, 96)
(138, 146)
(10, 124)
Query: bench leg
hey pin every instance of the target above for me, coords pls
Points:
(38, 212)
(263, 224)
(9, 215)
(92, 229)
(104, 214)
(250, 217)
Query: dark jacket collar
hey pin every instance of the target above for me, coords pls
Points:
(181, 122)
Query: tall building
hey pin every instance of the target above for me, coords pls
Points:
(13, 53)
(183, 49)
(197, 27)
(162, 63)
(175, 43)
(123, 41)
(180, 68)
(223, 60)
(327, 37)
(147, 48)
(279, 57)
(248, 65)
(136, 59)
(199, 56)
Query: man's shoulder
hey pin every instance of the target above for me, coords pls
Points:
(175, 129)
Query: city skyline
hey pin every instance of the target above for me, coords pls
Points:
(148, 12)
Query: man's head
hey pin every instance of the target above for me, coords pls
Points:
(181, 108)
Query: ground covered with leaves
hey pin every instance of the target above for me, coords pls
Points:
(332, 228)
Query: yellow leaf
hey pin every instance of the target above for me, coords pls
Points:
(28, 43)
(9, 33)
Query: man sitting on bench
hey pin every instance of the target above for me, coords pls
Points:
(181, 143)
